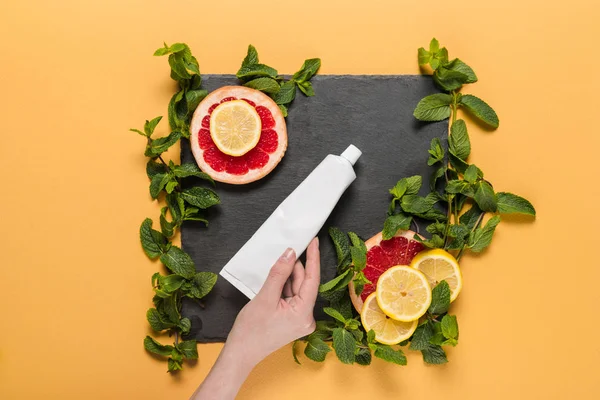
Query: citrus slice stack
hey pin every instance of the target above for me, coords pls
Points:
(387, 330)
(238, 143)
(439, 265)
(382, 255)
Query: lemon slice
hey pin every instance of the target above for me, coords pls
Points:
(235, 127)
(439, 265)
(387, 330)
(403, 293)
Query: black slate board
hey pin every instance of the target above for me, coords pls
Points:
(372, 112)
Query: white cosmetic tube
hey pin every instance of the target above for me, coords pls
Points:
(294, 223)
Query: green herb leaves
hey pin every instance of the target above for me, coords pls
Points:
(184, 203)
(480, 109)
(435, 107)
(266, 79)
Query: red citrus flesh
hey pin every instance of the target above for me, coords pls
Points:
(382, 255)
(256, 163)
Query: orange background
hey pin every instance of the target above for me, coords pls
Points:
(76, 75)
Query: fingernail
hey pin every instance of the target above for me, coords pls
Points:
(317, 241)
(287, 255)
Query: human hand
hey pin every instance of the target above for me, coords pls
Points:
(281, 312)
(283, 309)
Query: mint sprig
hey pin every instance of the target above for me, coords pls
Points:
(262, 77)
(183, 203)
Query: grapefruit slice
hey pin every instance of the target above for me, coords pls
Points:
(381, 256)
(256, 162)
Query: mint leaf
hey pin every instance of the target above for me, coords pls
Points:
(472, 174)
(344, 345)
(154, 242)
(450, 327)
(359, 281)
(394, 223)
(154, 168)
(511, 203)
(193, 98)
(413, 184)
(200, 197)
(482, 237)
(334, 314)
(190, 169)
(436, 241)
(170, 309)
(440, 299)
(458, 233)
(470, 218)
(459, 143)
(158, 146)
(363, 357)
(149, 126)
(420, 339)
(157, 184)
(434, 355)
(155, 347)
(341, 302)
(284, 109)
(387, 353)
(459, 186)
(357, 242)
(316, 349)
(415, 204)
(185, 325)
(437, 228)
(435, 107)
(359, 258)
(171, 185)
(459, 66)
(264, 84)
(342, 245)
(173, 365)
(171, 283)
(458, 164)
(251, 56)
(178, 262)
(437, 174)
(157, 323)
(306, 88)
(189, 349)
(249, 72)
(434, 46)
(201, 284)
(286, 93)
(485, 197)
(338, 282)
(424, 56)
(308, 70)
(480, 109)
(448, 79)
(436, 152)
(176, 207)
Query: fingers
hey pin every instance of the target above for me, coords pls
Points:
(287, 288)
(297, 277)
(312, 275)
(278, 276)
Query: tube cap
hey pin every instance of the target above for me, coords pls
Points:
(352, 153)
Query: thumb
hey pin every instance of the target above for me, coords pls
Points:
(279, 274)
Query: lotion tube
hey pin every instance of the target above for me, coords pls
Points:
(294, 223)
